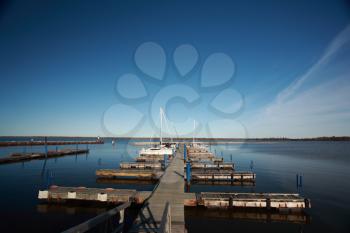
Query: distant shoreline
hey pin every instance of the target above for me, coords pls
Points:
(232, 140)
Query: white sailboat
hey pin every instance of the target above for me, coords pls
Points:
(162, 149)
(197, 145)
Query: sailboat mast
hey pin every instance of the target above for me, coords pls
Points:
(194, 129)
(161, 125)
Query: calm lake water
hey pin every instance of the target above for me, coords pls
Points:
(324, 166)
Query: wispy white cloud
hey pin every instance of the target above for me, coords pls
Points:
(322, 108)
(331, 51)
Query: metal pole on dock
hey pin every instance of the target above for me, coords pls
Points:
(188, 172)
(185, 152)
(297, 179)
(165, 160)
(231, 158)
(45, 147)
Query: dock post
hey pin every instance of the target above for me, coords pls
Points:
(251, 165)
(48, 178)
(165, 160)
(231, 158)
(185, 152)
(45, 147)
(222, 155)
(300, 181)
(188, 172)
(297, 178)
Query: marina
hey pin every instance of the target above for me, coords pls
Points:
(164, 207)
(205, 196)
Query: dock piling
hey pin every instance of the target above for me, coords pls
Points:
(165, 160)
(188, 172)
(46, 147)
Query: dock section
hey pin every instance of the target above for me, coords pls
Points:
(250, 200)
(203, 166)
(169, 190)
(20, 157)
(108, 195)
(122, 174)
(50, 143)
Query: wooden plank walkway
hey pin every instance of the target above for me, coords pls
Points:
(170, 189)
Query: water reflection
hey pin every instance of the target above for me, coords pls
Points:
(324, 166)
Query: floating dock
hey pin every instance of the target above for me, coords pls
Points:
(141, 165)
(217, 166)
(108, 195)
(50, 143)
(102, 180)
(258, 215)
(250, 200)
(129, 174)
(20, 157)
(149, 160)
(207, 160)
(221, 175)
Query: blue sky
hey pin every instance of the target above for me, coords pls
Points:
(62, 63)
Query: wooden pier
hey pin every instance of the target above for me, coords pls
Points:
(169, 190)
(108, 195)
(209, 166)
(20, 157)
(249, 200)
(149, 160)
(258, 215)
(50, 143)
(140, 165)
(204, 168)
(221, 175)
(207, 160)
(129, 174)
